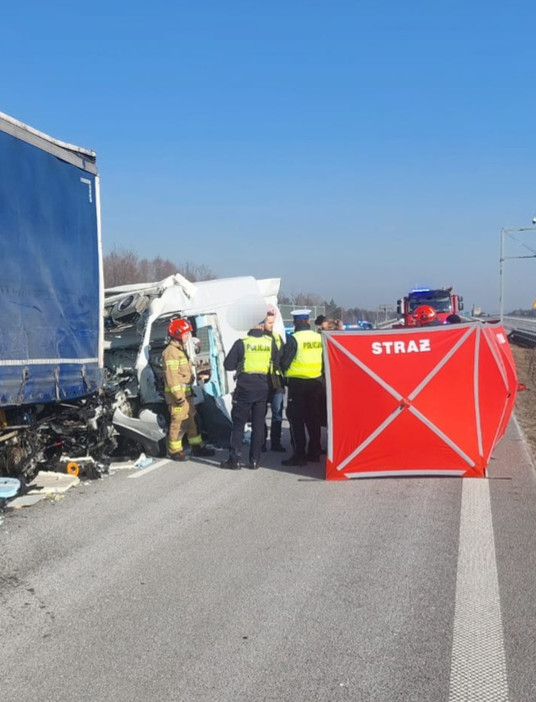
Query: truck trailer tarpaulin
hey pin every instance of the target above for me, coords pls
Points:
(51, 289)
(427, 401)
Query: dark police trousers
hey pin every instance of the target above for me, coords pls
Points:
(305, 410)
(240, 414)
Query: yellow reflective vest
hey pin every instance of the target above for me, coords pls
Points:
(307, 363)
(257, 354)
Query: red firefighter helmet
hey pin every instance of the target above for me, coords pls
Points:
(424, 314)
(178, 328)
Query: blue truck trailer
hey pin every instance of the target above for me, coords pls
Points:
(51, 293)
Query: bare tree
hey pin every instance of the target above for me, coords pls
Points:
(195, 273)
(123, 267)
(333, 309)
(162, 268)
(120, 267)
(300, 299)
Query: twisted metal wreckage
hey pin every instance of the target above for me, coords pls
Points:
(137, 318)
(127, 412)
(80, 373)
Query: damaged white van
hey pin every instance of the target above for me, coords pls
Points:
(135, 331)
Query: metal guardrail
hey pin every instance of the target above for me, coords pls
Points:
(386, 323)
(521, 330)
(528, 323)
(523, 337)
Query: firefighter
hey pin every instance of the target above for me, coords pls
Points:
(253, 358)
(277, 391)
(301, 362)
(178, 379)
(426, 316)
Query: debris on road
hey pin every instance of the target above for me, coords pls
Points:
(9, 487)
(26, 500)
(143, 461)
(50, 483)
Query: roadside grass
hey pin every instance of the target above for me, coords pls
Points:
(525, 407)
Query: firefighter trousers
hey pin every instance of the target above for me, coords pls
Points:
(182, 421)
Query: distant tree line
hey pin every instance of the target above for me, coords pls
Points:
(523, 313)
(349, 315)
(125, 267)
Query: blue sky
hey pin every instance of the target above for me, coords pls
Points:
(354, 149)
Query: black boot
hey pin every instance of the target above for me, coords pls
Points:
(231, 465)
(178, 456)
(275, 438)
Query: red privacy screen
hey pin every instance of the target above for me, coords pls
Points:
(417, 401)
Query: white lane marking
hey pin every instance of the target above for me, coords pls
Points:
(478, 665)
(143, 471)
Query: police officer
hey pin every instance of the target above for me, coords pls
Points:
(301, 362)
(178, 379)
(253, 358)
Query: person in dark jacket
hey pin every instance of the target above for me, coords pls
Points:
(302, 365)
(253, 358)
(277, 391)
(319, 322)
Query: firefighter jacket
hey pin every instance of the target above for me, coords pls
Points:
(302, 355)
(253, 358)
(178, 373)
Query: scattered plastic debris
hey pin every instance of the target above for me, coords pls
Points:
(83, 466)
(143, 461)
(9, 487)
(26, 501)
(54, 497)
(121, 465)
(51, 483)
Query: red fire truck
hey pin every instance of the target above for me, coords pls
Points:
(443, 300)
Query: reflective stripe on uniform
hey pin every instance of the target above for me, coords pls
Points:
(180, 386)
(174, 363)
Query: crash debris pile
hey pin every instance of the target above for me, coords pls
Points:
(82, 378)
(45, 484)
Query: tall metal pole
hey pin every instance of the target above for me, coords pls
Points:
(504, 231)
(501, 278)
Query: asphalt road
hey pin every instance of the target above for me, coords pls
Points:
(194, 584)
